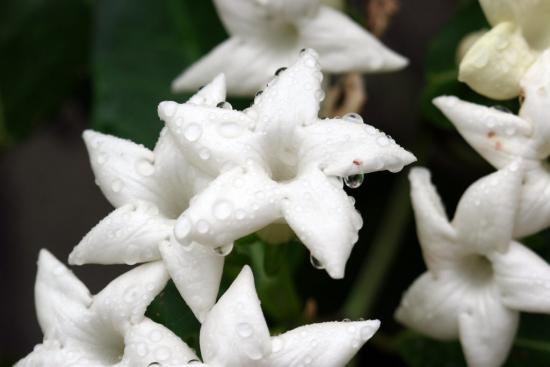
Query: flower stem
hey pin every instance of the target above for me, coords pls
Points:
(381, 254)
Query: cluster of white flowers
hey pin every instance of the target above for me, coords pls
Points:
(478, 276)
(214, 176)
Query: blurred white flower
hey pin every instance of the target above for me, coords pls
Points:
(108, 329)
(478, 278)
(501, 137)
(150, 189)
(235, 334)
(495, 64)
(266, 35)
(277, 161)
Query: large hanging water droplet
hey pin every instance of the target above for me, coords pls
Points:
(354, 181)
(315, 262)
(353, 117)
(224, 250)
(502, 109)
(225, 105)
(280, 70)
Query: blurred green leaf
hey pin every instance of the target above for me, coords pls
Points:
(140, 47)
(44, 53)
(442, 67)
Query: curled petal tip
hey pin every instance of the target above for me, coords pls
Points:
(167, 109)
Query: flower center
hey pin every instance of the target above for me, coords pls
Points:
(284, 35)
(478, 269)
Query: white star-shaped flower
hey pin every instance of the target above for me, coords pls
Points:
(276, 162)
(495, 64)
(265, 35)
(501, 137)
(478, 278)
(235, 334)
(149, 190)
(108, 329)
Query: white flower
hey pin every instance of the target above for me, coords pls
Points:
(266, 35)
(235, 334)
(108, 329)
(478, 278)
(150, 189)
(501, 137)
(277, 161)
(495, 64)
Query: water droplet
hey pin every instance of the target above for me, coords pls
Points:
(346, 320)
(182, 228)
(224, 250)
(502, 108)
(202, 226)
(354, 181)
(320, 95)
(225, 105)
(244, 330)
(315, 262)
(353, 117)
(154, 364)
(192, 132)
(204, 154)
(280, 70)
(193, 361)
(223, 209)
(383, 141)
(116, 186)
(155, 336)
(240, 214)
(102, 158)
(303, 50)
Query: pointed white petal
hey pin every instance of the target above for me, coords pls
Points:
(498, 136)
(344, 148)
(234, 333)
(247, 65)
(323, 217)
(523, 279)
(131, 234)
(494, 65)
(61, 299)
(148, 343)
(498, 11)
(345, 46)
(432, 305)
(237, 203)
(327, 344)
(485, 215)
(436, 235)
(196, 270)
(291, 99)
(125, 171)
(535, 87)
(51, 353)
(534, 211)
(487, 330)
(124, 301)
(211, 137)
(212, 93)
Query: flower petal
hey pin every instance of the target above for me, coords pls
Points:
(234, 332)
(343, 148)
(327, 344)
(212, 93)
(486, 213)
(123, 301)
(432, 305)
(196, 270)
(498, 136)
(343, 45)
(323, 217)
(237, 203)
(436, 235)
(51, 353)
(211, 137)
(487, 330)
(247, 65)
(61, 299)
(131, 234)
(534, 210)
(495, 64)
(125, 172)
(149, 342)
(523, 279)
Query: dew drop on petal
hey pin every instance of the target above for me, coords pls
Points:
(224, 250)
(244, 330)
(354, 181)
(225, 105)
(192, 132)
(222, 209)
(502, 108)
(116, 186)
(154, 364)
(182, 228)
(202, 226)
(280, 70)
(193, 361)
(315, 262)
(353, 117)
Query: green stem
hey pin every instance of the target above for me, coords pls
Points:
(381, 254)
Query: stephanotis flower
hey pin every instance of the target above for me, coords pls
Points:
(501, 137)
(235, 334)
(149, 190)
(265, 35)
(478, 278)
(108, 329)
(495, 64)
(278, 162)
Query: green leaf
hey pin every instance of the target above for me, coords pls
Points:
(140, 47)
(44, 47)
